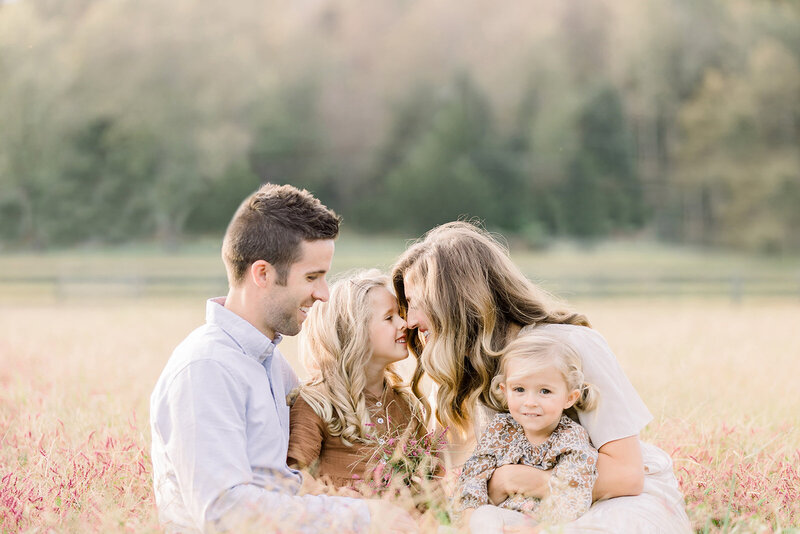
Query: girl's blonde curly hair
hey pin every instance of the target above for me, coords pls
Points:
(335, 348)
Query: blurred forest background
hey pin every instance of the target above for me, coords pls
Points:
(678, 120)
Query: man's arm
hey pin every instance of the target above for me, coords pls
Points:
(201, 420)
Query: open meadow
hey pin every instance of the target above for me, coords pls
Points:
(719, 375)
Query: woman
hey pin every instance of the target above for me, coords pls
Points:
(464, 301)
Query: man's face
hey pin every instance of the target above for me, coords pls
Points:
(287, 305)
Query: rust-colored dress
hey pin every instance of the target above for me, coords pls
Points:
(328, 458)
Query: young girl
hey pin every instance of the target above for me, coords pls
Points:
(540, 377)
(354, 400)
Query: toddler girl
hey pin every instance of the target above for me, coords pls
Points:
(354, 400)
(540, 377)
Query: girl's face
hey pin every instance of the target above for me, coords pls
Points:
(387, 330)
(536, 398)
(416, 317)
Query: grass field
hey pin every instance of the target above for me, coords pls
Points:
(76, 374)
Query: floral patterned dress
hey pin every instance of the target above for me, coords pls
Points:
(568, 452)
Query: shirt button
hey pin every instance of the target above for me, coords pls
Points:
(380, 420)
(379, 404)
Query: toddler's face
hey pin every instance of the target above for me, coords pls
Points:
(536, 398)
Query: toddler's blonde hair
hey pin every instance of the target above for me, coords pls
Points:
(537, 350)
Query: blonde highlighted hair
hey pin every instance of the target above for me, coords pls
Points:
(475, 298)
(535, 351)
(335, 348)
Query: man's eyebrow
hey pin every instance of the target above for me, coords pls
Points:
(321, 271)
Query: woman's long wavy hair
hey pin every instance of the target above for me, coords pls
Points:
(473, 296)
(535, 351)
(335, 348)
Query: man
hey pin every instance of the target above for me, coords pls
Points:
(219, 417)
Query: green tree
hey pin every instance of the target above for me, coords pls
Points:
(454, 169)
(602, 191)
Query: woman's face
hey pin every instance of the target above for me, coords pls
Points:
(415, 317)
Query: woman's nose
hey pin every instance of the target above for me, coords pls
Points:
(412, 321)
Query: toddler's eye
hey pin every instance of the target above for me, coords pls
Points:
(545, 391)
(518, 389)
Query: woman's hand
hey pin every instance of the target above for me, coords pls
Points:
(620, 470)
(516, 478)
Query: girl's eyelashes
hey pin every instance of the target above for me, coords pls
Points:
(544, 391)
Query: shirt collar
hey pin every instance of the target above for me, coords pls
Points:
(252, 341)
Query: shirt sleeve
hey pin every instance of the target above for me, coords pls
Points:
(306, 434)
(472, 490)
(573, 477)
(620, 412)
(201, 420)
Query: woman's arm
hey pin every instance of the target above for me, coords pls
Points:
(517, 478)
(620, 470)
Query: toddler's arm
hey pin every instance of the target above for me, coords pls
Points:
(573, 479)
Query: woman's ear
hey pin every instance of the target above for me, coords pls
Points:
(572, 398)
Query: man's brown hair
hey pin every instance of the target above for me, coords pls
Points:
(270, 224)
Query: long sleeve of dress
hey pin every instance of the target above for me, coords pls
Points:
(472, 490)
(306, 434)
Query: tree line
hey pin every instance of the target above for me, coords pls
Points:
(133, 120)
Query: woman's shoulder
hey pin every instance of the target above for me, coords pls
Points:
(572, 332)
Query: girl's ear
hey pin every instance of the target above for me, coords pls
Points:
(502, 386)
(572, 398)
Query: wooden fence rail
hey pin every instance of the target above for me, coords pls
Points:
(734, 288)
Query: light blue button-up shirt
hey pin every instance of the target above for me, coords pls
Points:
(220, 429)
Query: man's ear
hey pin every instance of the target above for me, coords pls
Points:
(262, 273)
(572, 398)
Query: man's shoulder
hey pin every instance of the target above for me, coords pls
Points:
(206, 342)
(206, 347)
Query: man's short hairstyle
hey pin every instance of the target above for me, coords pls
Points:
(270, 225)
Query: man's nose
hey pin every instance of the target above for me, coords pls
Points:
(321, 291)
